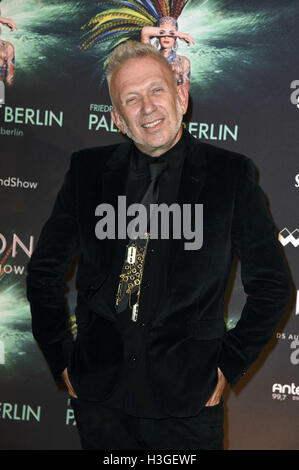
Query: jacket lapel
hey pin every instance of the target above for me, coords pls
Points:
(192, 183)
(115, 173)
(114, 177)
(193, 172)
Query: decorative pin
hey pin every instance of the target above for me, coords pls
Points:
(131, 256)
(135, 312)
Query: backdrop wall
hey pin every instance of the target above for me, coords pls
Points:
(244, 97)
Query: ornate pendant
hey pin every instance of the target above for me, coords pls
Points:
(131, 255)
(135, 312)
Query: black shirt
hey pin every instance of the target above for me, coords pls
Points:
(133, 395)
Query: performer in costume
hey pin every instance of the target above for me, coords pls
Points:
(7, 54)
(119, 21)
(167, 34)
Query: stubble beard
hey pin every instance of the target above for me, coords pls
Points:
(137, 142)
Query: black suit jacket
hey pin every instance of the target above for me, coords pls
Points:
(187, 339)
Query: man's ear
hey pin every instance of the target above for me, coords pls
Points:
(117, 120)
(183, 95)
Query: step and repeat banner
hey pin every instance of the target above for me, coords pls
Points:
(241, 58)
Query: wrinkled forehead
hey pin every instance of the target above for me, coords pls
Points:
(139, 72)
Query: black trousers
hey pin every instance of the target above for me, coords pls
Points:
(106, 428)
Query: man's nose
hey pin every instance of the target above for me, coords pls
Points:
(148, 105)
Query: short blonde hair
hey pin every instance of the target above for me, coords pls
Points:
(133, 50)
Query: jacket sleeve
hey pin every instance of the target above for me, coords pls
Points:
(264, 275)
(56, 248)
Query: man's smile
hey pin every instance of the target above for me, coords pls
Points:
(152, 124)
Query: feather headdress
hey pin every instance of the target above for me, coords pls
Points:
(117, 21)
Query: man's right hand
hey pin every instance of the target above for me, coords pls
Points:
(68, 384)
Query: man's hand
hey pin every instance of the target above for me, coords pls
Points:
(68, 384)
(216, 395)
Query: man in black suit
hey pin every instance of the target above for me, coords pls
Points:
(151, 358)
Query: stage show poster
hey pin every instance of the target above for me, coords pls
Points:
(238, 60)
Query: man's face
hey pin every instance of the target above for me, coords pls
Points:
(149, 106)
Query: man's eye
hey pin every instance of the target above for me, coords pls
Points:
(157, 90)
(130, 100)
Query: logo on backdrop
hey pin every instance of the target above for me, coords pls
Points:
(294, 98)
(297, 181)
(211, 131)
(27, 117)
(70, 416)
(16, 182)
(97, 121)
(283, 391)
(19, 412)
(12, 247)
(286, 237)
